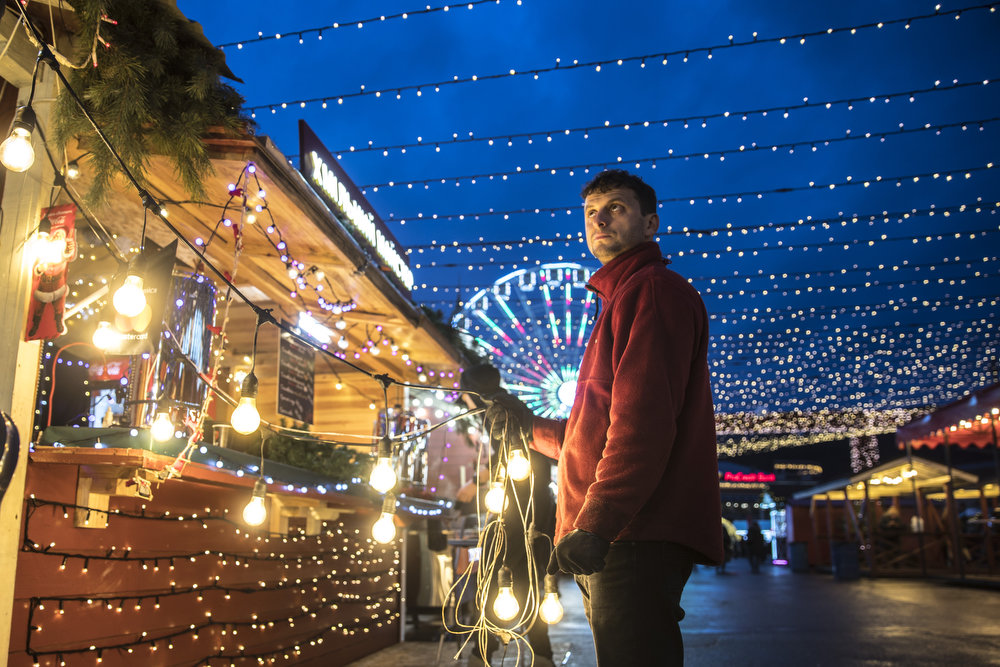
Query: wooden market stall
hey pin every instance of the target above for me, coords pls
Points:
(899, 518)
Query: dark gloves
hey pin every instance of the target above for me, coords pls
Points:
(508, 413)
(579, 552)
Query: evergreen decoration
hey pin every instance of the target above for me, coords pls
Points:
(335, 462)
(156, 89)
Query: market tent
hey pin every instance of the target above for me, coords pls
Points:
(887, 480)
(968, 422)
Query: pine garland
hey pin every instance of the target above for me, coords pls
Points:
(156, 90)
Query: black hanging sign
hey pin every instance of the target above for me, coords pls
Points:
(296, 379)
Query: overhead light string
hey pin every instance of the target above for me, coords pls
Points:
(358, 23)
(721, 197)
(721, 154)
(597, 65)
(701, 120)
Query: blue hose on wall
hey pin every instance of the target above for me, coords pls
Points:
(11, 450)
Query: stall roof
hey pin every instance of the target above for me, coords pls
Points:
(970, 421)
(887, 480)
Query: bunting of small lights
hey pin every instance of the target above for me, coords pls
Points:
(721, 154)
(358, 23)
(964, 173)
(662, 58)
(700, 120)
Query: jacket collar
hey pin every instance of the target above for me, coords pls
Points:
(604, 280)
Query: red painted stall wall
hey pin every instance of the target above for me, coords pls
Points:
(179, 579)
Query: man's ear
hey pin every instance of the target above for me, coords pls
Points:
(652, 224)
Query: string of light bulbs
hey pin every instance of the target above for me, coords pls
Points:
(663, 57)
(721, 154)
(729, 228)
(507, 140)
(849, 181)
(749, 251)
(301, 33)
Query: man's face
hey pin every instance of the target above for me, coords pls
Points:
(614, 223)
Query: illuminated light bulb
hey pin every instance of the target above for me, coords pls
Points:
(383, 476)
(343, 343)
(374, 350)
(496, 498)
(130, 299)
(293, 272)
(506, 605)
(384, 530)
(106, 336)
(16, 152)
(320, 275)
(73, 170)
(251, 218)
(162, 428)
(518, 466)
(245, 417)
(255, 512)
(551, 609)
(50, 250)
(340, 324)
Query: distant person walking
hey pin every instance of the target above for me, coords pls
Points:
(755, 546)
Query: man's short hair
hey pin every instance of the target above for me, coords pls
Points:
(612, 179)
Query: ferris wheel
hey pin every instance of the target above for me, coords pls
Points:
(534, 324)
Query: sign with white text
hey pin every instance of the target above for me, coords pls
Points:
(331, 183)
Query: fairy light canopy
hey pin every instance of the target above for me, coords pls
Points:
(824, 174)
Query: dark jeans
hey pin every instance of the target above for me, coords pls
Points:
(634, 604)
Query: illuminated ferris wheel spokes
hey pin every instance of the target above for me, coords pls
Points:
(533, 324)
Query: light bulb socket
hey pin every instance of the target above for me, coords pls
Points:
(389, 504)
(45, 226)
(249, 387)
(551, 583)
(259, 488)
(505, 577)
(24, 119)
(385, 448)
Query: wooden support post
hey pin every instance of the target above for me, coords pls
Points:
(21, 202)
(870, 546)
(958, 554)
(987, 531)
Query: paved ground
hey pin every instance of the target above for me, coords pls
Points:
(781, 618)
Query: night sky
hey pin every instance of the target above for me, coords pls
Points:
(847, 253)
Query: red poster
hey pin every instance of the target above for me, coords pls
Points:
(53, 247)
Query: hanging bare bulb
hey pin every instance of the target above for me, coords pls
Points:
(518, 466)
(130, 299)
(384, 529)
(383, 476)
(551, 609)
(256, 511)
(16, 152)
(496, 498)
(245, 418)
(506, 605)
(106, 336)
(162, 429)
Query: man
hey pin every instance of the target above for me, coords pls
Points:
(639, 496)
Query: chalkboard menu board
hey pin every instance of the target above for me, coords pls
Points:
(296, 380)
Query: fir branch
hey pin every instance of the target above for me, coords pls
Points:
(157, 90)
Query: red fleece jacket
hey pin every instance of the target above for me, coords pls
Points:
(637, 456)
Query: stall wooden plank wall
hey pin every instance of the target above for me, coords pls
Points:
(200, 584)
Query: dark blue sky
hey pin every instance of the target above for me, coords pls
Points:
(852, 346)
